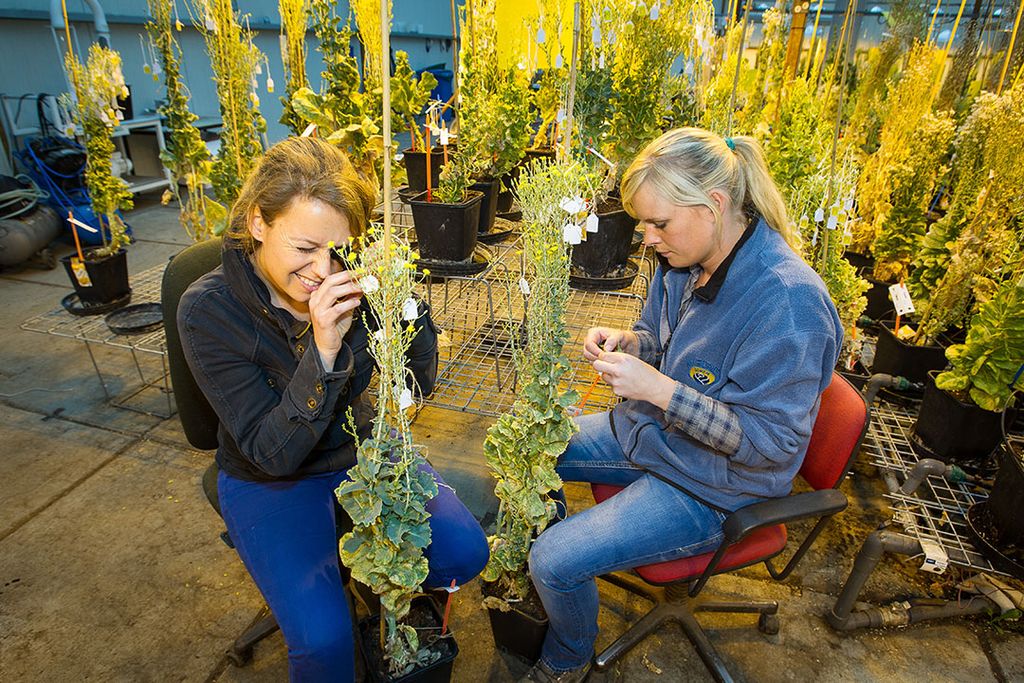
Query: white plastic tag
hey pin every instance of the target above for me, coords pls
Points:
(560, 116)
(833, 221)
(369, 284)
(819, 215)
(540, 35)
(558, 61)
(655, 12)
(379, 335)
(270, 84)
(592, 222)
(848, 204)
(444, 137)
(524, 286)
(600, 61)
(405, 399)
(935, 558)
(901, 299)
(451, 589)
(409, 310)
(572, 205)
(310, 129)
(571, 233)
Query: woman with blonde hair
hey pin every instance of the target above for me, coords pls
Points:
(277, 343)
(721, 378)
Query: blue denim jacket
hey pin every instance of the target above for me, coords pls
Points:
(282, 415)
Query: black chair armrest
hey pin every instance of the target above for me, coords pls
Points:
(781, 511)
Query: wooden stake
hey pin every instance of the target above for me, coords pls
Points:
(1009, 48)
(945, 53)
(455, 59)
(385, 45)
(814, 40)
(74, 231)
(429, 149)
(572, 79)
(931, 27)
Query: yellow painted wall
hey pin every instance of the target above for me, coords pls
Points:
(517, 31)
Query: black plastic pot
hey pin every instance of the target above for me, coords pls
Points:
(439, 671)
(489, 203)
(1006, 502)
(879, 304)
(606, 250)
(416, 168)
(863, 263)
(517, 633)
(951, 430)
(109, 276)
(895, 357)
(508, 182)
(446, 232)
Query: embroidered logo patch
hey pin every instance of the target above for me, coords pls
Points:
(702, 375)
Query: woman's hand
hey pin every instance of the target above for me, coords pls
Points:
(600, 339)
(331, 308)
(630, 377)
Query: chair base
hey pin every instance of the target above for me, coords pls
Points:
(678, 608)
(240, 652)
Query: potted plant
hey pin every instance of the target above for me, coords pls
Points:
(185, 155)
(998, 520)
(388, 488)
(345, 115)
(408, 97)
(493, 108)
(100, 275)
(962, 410)
(234, 59)
(446, 219)
(646, 45)
(523, 446)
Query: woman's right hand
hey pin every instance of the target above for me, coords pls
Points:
(331, 308)
(600, 339)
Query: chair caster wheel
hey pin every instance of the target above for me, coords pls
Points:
(240, 656)
(768, 624)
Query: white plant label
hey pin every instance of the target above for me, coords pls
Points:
(540, 35)
(524, 286)
(369, 284)
(655, 12)
(571, 233)
(901, 299)
(592, 222)
(600, 61)
(405, 399)
(409, 310)
(819, 215)
(560, 116)
(558, 61)
(572, 205)
(848, 204)
(443, 137)
(833, 221)
(379, 335)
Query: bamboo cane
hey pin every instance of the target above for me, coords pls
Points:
(1009, 48)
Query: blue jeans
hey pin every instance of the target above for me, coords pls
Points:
(648, 521)
(285, 534)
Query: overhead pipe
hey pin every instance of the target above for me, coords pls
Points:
(99, 19)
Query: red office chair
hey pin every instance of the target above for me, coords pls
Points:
(753, 534)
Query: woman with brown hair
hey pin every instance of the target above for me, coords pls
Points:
(277, 343)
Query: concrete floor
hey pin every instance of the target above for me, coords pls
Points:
(111, 567)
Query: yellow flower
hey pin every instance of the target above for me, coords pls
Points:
(426, 272)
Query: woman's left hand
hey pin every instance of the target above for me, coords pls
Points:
(630, 377)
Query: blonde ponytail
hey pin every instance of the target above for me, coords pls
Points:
(684, 165)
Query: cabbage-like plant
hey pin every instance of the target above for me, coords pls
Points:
(388, 489)
(523, 446)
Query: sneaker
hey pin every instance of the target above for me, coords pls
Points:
(542, 673)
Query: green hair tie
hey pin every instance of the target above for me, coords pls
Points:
(730, 144)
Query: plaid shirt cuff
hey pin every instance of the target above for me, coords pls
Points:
(648, 350)
(709, 421)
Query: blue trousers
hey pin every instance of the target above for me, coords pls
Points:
(285, 534)
(648, 521)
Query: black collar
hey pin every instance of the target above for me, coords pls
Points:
(709, 290)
